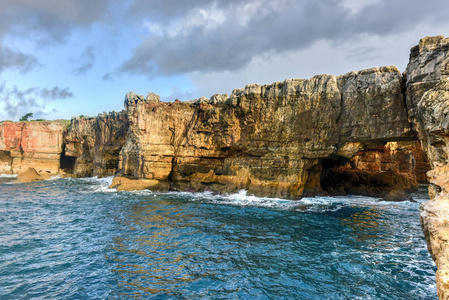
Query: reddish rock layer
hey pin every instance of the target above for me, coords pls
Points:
(35, 145)
(92, 144)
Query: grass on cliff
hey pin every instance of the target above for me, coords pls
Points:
(63, 121)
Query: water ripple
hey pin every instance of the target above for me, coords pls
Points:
(77, 239)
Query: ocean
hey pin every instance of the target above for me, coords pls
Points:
(78, 239)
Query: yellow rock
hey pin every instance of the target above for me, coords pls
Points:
(128, 184)
(29, 175)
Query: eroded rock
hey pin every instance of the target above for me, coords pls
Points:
(129, 184)
(35, 145)
(92, 145)
(29, 175)
(428, 101)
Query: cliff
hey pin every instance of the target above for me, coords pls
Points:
(427, 86)
(35, 145)
(328, 135)
(92, 144)
(275, 140)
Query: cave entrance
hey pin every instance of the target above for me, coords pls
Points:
(340, 176)
(67, 163)
(336, 175)
(5, 161)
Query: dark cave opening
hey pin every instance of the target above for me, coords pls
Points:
(341, 176)
(334, 177)
(67, 163)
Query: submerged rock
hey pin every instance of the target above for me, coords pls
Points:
(398, 196)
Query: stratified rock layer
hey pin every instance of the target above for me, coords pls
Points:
(92, 144)
(35, 145)
(268, 139)
(428, 101)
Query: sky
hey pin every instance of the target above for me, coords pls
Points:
(64, 58)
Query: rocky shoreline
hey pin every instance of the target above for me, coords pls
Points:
(374, 132)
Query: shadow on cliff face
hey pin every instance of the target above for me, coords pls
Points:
(67, 163)
(376, 171)
(340, 177)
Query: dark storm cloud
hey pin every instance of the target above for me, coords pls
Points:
(272, 27)
(49, 20)
(17, 101)
(44, 22)
(10, 59)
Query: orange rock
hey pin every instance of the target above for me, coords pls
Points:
(128, 184)
(30, 175)
(31, 145)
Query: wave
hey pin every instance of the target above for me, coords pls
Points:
(96, 179)
(8, 175)
(95, 184)
(308, 204)
(54, 177)
(243, 198)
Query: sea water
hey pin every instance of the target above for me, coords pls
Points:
(78, 239)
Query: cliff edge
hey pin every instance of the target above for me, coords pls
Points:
(286, 139)
(427, 86)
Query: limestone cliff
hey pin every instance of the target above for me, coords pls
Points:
(92, 144)
(270, 139)
(35, 145)
(427, 86)
(286, 139)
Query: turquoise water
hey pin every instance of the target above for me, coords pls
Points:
(76, 239)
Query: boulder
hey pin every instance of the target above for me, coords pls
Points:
(30, 175)
(398, 195)
(129, 184)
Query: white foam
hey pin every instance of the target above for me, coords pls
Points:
(239, 199)
(101, 180)
(242, 198)
(8, 175)
(308, 204)
(98, 185)
(54, 177)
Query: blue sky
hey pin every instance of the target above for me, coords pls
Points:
(64, 58)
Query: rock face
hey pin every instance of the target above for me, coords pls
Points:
(92, 144)
(30, 175)
(377, 171)
(427, 86)
(272, 140)
(35, 145)
(283, 140)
